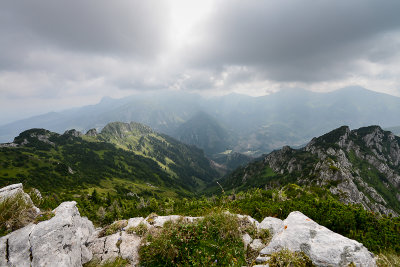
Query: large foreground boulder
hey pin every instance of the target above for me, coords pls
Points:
(324, 247)
(60, 241)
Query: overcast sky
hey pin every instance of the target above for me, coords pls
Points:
(58, 54)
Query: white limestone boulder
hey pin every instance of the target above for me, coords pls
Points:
(246, 240)
(60, 241)
(134, 222)
(257, 244)
(129, 248)
(324, 247)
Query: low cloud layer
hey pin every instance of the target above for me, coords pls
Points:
(59, 54)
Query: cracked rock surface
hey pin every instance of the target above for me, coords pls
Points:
(321, 245)
(56, 242)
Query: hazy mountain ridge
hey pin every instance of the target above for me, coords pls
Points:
(205, 132)
(260, 124)
(360, 166)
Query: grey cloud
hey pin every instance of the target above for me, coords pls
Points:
(73, 50)
(124, 28)
(295, 40)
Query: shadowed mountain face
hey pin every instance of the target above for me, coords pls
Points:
(249, 125)
(205, 132)
(123, 158)
(360, 166)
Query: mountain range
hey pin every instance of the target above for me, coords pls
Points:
(360, 166)
(240, 123)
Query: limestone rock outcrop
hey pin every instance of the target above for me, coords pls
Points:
(274, 225)
(91, 132)
(67, 239)
(321, 245)
(59, 241)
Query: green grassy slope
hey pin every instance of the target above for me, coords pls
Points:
(185, 162)
(70, 163)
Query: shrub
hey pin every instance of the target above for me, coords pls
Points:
(213, 240)
(246, 226)
(287, 258)
(15, 213)
(388, 258)
(113, 228)
(333, 168)
(140, 230)
(44, 216)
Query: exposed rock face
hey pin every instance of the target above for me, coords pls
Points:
(59, 241)
(105, 248)
(129, 247)
(32, 136)
(91, 132)
(324, 247)
(361, 166)
(274, 225)
(8, 145)
(73, 133)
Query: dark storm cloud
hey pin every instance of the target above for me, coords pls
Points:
(73, 52)
(296, 40)
(124, 28)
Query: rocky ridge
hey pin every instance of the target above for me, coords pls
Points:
(360, 166)
(67, 239)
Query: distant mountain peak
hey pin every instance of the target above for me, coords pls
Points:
(33, 136)
(73, 133)
(204, 131)
(121, 129)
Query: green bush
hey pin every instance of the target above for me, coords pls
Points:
(287, 258)
(140, 230)
(214, 240)
(113, 228)
(388, 259)
(15, 213)
(44, 216)
(246, 227)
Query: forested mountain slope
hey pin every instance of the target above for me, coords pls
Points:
(123, 158)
